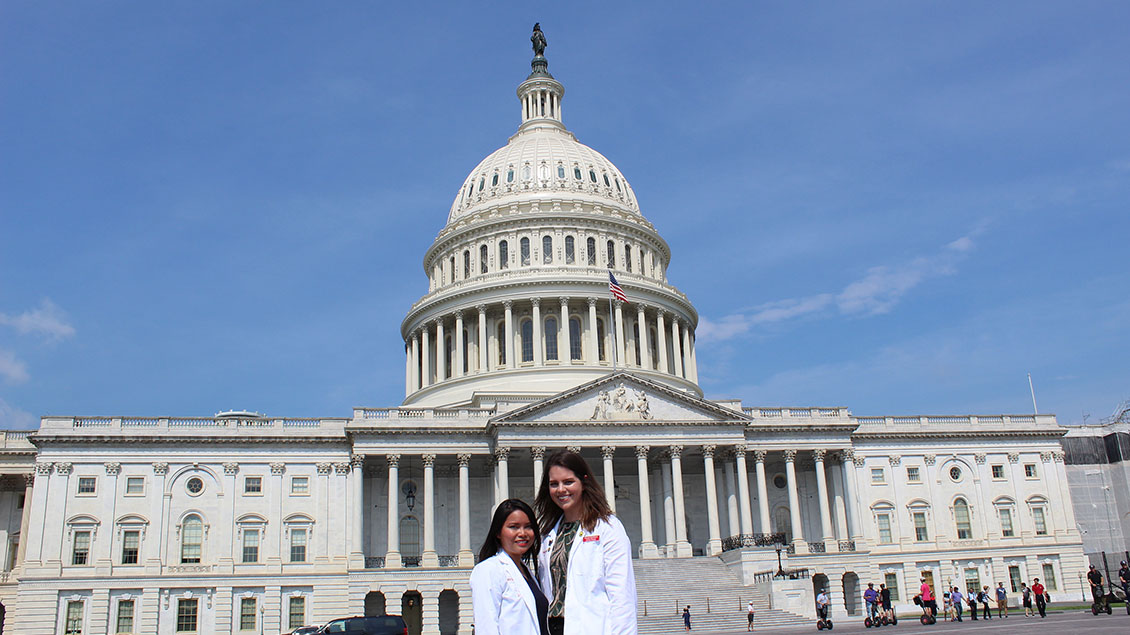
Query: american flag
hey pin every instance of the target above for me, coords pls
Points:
(614, 287)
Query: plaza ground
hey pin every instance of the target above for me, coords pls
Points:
(1074, 622)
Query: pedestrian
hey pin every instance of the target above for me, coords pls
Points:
(1124, 579)
(1041, 596)
(1026, 599)
(749, 616)
(955, 599)
(1002, 600)
(971, 597)
(885, 601)
(687, 618)
(928, 598)
(983, 598)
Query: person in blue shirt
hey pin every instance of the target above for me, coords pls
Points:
(955, 600)
(871, 597)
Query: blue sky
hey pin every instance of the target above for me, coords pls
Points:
(902, 208)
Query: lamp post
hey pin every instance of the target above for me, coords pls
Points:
(780, 569)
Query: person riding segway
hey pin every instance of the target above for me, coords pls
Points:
(1124, 579)
(1101, 604)
(871, 601)
(822, 619)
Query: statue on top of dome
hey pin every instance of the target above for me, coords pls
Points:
(538, 39)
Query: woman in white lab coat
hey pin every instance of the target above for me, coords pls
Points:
(504, 594)
(586, 558)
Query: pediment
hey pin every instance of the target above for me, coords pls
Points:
(621, 398)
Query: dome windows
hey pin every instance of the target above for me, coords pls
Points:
(560, 171)
(494, 180)
(543, 172)
(618, 185)
(500, 337)
(570, 251)
(551, 338)
(628, 258)
(592, 175)
(526, 172)
(547, 250)
(503, 254)
(575, 338)
(482, 258)
(605, 175)
(590, 249)
(524, 252)
(482, 183)
(527, 340)
(577, 172)
(510, 175)
(466, 264)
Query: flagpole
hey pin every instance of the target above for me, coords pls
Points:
(612, 329)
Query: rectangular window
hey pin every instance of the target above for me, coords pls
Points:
(973, 578)
(998, 472)
(297, 612)
(81, 553)
(135, 485)
(300, 486)
(1041, 523)
(125, 617)
(87, 484)
(913, 475)
(1014, 578)
(1006, 523)
(131, 545)
(1029, 470)
(892, 582)
(877, 475)
(250, 545)
(298, 545)
(186, 614)
(885, 529)
(247, 614)
(1049, 576)
(920, 533)
(73, 623)
(253, 485)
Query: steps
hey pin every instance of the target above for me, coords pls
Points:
(665, 586)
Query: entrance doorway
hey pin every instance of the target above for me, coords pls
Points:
(412, 612)
(851, 593)
(448, 612)
(375, 604)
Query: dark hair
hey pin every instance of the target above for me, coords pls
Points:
(594, 506)
(491, 545)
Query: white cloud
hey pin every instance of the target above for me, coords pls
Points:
(12, 418)
(48, 321)
(12, 369)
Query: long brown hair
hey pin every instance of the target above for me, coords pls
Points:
(594, 506)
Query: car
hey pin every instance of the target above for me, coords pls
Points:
(367, 625)
(304, 630)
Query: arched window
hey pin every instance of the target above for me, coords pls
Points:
(600, 339)
(527, 330)
(636, 337)
(466, 349)
(590, 247)
(570, 251)
(451, 265)
(510, 175)
(466, 263)
(449, 349)
(592, 175)
(961, 518)
(482, 259)
(501, 343)
(611, 253)
(494, 180)
(783, 523)
(410, 538)
(503, 255)
(651, 347)
(560, 171)
(606, 183)
(551, 338)
(628, 258)
(524, 251)
(191, 539)
(577, 172)
(547, 250)
(575, 338)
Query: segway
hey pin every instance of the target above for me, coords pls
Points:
(823, 622)
(889, 620)
(927, 618)
(1102, 606)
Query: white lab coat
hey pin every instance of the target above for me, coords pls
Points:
(600, 589)
(502, 600)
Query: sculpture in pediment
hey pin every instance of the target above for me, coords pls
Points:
(621, 404)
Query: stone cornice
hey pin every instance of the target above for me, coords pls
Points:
(958, 434)
(182, 440)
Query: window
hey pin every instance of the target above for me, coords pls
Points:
(577, 173)
(86, 484)
(600, 339)
(250, 546)
(920, 533)
(877, 475)
(192, 540)
(1049, 576)
(1014, 578)
(961, 518)
(466, 263)
(913, 475)
(297, 612)
(482, 258)
(135, 485)
(501, 343)
(610, 252)
(547, 250)
(574, 338)
(451, 268)
(247, 614)
(494, 180)
(125, 617)
(1029, 470)
(592, 175)
(590, 247)
(551, 338)
(510, 176)
(1006, 522)
(973, 578)
(524, 251)
(13, 551)
(526, 172)
(1041, 522)
(186, 614)
(194, 485)
(300, 486)
(636, 342)
(73, 623)
(955, 473)
(482, 183)
(527, 330)
(253, 485)
(892, 582)
(998, 472)
(628, 258)
(503, 255)
(606, 182)
(131, 546)
(570, 251)
(298, 544)
(80, 555)
(560, 171)
(884, 529)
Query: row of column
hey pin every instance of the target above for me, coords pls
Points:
(419, 371)
(541, 103)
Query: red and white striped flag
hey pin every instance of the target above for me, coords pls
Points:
(614, 287)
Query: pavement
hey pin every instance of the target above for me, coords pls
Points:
(1073, 622)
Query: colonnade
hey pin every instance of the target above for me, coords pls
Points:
(487, 338)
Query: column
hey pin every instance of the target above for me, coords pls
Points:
(762, 491)
(743, 491)
(466, 558)
(441, 352)
(429, 558)
(538, 452)
(415, 361)
(714, 544)
(731, 498)
(794, 500)
(606, 453)
(25, 520)
(822, 499)
(502, 454)
(1060, 458)
(641, 326)
(693, 358)
(620, 348)
(682, 546)
(511, 353)
(839, 508)
(426, 357)
(539, 348)
(688, 363)
(483, 360)
(407, 368)
(460, 350)
(677, 351)
(564, 335)
(594, 347)
(647, 545)
(357, 534)
(668, 510)
(392, 556)
(661, 342)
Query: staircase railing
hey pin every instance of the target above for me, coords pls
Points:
(752, 540)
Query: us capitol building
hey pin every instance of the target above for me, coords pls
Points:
(248, 523)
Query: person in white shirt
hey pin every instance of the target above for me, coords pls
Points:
(749, 615)
(504, 595)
